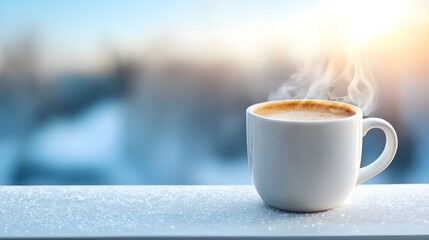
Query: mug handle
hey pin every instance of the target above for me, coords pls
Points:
(388, 153)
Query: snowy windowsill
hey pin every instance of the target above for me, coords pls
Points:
(204, 211)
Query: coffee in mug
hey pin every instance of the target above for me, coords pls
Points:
(304, 110)
(304, 155)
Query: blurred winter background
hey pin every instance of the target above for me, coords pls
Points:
(155, 92)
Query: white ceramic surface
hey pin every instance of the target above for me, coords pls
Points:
(309, 166)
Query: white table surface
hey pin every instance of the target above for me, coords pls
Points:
(372, 211)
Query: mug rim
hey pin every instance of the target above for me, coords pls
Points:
(358, 112)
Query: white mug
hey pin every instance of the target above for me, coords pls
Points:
(313, 165)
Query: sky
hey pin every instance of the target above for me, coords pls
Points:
(80, 32)
(82, 27)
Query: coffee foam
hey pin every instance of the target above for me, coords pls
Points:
(304, 110)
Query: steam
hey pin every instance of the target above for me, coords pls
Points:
(333, 78)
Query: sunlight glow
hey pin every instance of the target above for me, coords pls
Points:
(367, 19)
